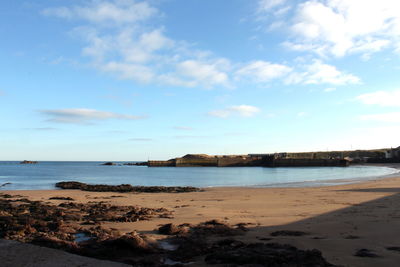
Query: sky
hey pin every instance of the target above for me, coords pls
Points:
(136, 80)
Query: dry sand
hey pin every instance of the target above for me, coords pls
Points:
(339, 219)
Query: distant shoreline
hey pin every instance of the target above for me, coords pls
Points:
(230, 177)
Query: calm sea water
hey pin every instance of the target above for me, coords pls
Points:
(45, 174)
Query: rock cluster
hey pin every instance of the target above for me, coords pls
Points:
(261, 254)
(58, 227)
(192, 241)
(28, 162)
(125, 188)
(25, 220)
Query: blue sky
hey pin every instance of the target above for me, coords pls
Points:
(138, 80)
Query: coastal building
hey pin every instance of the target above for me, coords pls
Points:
(392, 153)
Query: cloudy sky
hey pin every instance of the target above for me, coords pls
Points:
(138, 80)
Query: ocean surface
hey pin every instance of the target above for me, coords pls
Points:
(45, 174)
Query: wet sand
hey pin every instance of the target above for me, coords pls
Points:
(339, 220)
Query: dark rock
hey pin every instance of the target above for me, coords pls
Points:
(260, 254)
(109, 164)
(129, 248)
(28, 162)
(351, 237)
(54, 242)
(5, 184)
(25, 220)
(393, 249)
(366, 253)
(214, 222)
(192, 240)
(125, 188)
(264, 238)
(6, 196)
(62, 198)
(172, 229)
(288, 233)
(189, 247)
(218, 228)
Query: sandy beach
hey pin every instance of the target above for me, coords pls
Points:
(338, 220)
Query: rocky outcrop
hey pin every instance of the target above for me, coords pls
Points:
(109, 164)
(125, 188)
(28, 162)
(59, 226)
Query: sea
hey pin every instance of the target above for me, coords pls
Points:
(44, 175)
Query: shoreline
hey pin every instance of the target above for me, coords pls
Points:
(301, 184)
(340, 219)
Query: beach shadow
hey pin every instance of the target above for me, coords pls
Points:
(362, 234)
(373, 190)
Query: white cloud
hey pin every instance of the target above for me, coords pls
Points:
(340, 27)
(241, 110)
(321, 73)
(105, 12)
(381, 98)
(266, 5)
(83, 115)
(122, 40)
(129, 71)
(391, 117)
(315, 73)
(203, 73)
(262, 71)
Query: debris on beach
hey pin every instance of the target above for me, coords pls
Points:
(123, 188)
